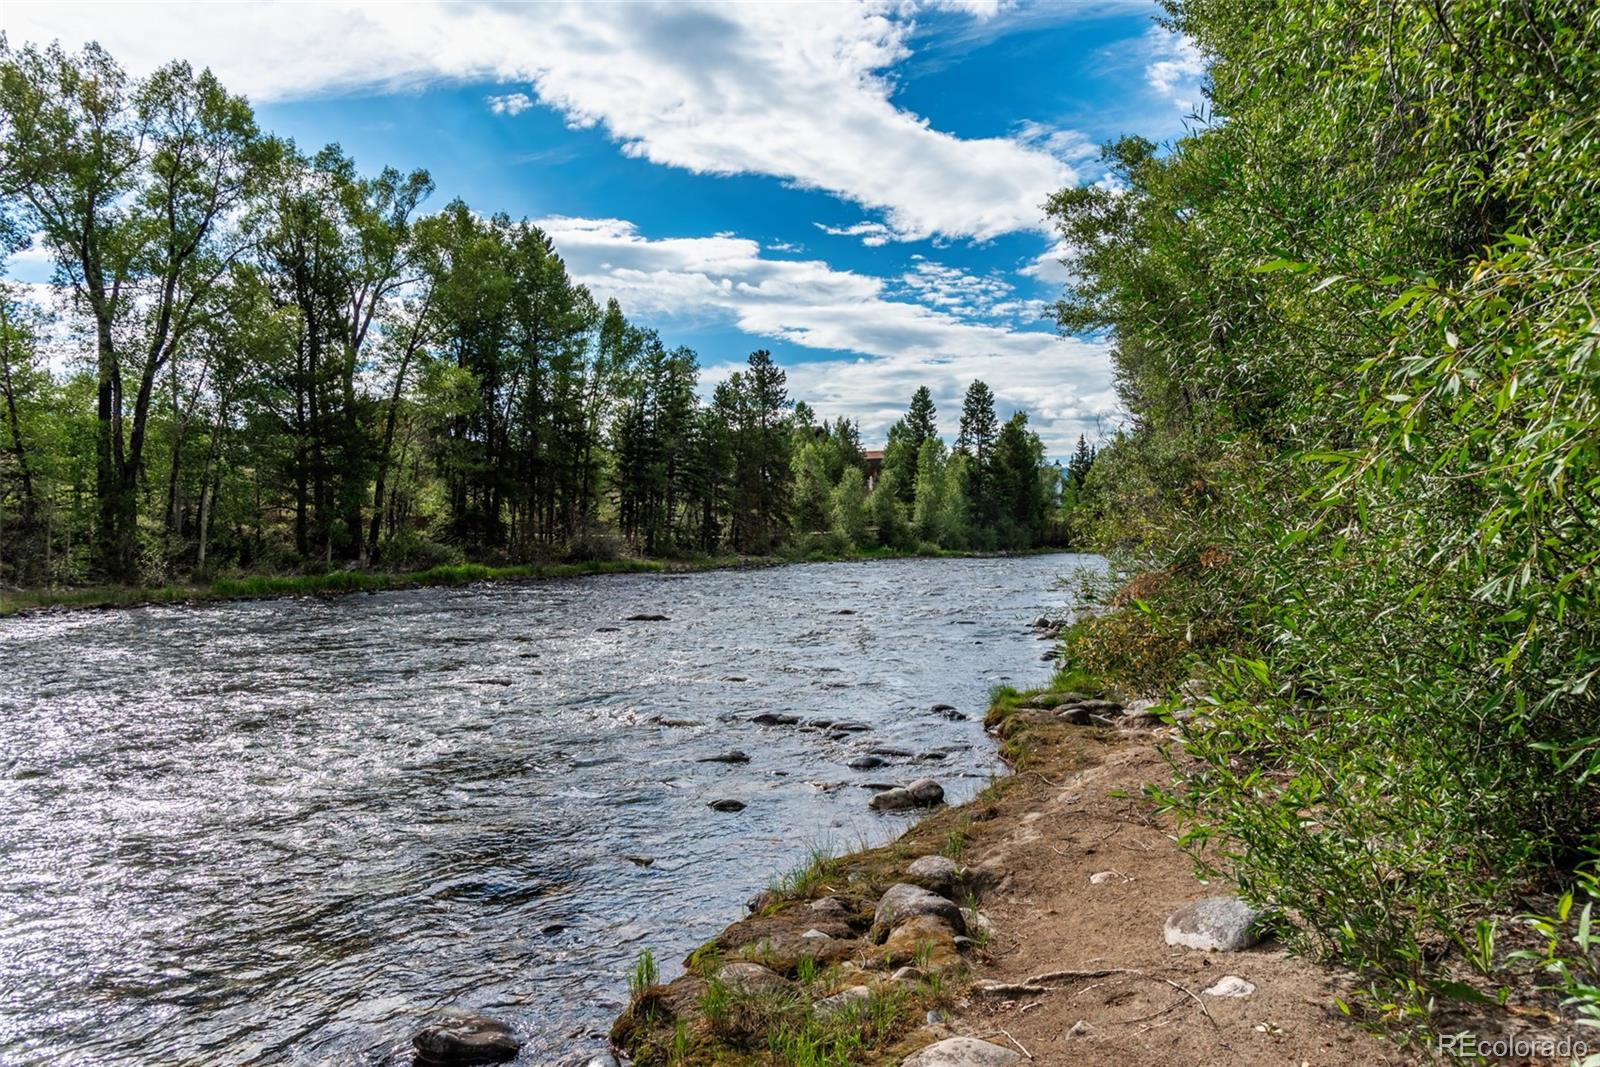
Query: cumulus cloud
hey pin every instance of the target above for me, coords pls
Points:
(510, 103)
(800, 92)
(899, 343)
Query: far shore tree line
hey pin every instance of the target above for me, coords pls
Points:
(286, 364)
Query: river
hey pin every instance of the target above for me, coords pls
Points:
(285, 831)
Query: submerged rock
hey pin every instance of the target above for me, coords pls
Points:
(645, 616)
(733, 756)
(948, 712)
(1214, 924)
(866, 763)
(926, 792)
(726, 804)
(892, 799)
(775, 718)
(461, 1038)
(962, 1052)
(602, 1058)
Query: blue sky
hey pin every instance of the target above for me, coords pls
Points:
(855, 187)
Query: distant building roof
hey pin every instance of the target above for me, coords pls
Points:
(873, 453)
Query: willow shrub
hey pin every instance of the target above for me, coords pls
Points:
(1360, 298)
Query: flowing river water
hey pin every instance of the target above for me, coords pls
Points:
(286, 831)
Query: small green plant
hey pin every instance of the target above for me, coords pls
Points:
(644, 974)
(681, 1044)
(924, 953)
(805, 972)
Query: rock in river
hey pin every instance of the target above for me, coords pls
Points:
(896, 799)
(465, 1039)
(646, 616)
(962, 1052)
(926, 792)
(866, 763)
(948, 712)
(1214, 924)
(733, 756)
(774, 718)
(726, 804)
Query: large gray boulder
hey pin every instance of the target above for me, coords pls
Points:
(903, 901)
(463, 1039)
(1214, 924)
(962, 1052)
(926, 792)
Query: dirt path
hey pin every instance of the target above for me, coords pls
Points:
(1051, 839)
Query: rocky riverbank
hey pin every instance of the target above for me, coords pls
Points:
(1051, 919)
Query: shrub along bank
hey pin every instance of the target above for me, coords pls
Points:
(1354, 315)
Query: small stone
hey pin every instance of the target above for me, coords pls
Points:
(608, 629)
(1080, 1029)
(1072, 714)
(850, 1001)
(726, 804)
(817, 935)
(926, 792)
(1230, 985)
(1214, 924)
(962, 1052)
(934, 1016)
(647, 617)
(640, 861)
(849, 727)
(735, 678)
(866, 763)
(845, 611)
(1102, 877)
(465, 1039)
(948, 712)
(890, 750)
(749, 978)
(932, 757)
(908, 974)
(977, 923)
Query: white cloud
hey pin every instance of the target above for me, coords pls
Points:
(902, 343)
(799, 92)
(510, 103)
(872, 234)
(1176, 68)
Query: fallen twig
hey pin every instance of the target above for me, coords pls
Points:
(1017, 1043)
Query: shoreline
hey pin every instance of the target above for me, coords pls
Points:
(17, 603)
(992, 959)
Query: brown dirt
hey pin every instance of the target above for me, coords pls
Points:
(1047, 835)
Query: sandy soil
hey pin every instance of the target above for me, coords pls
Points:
(1150, 1010)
